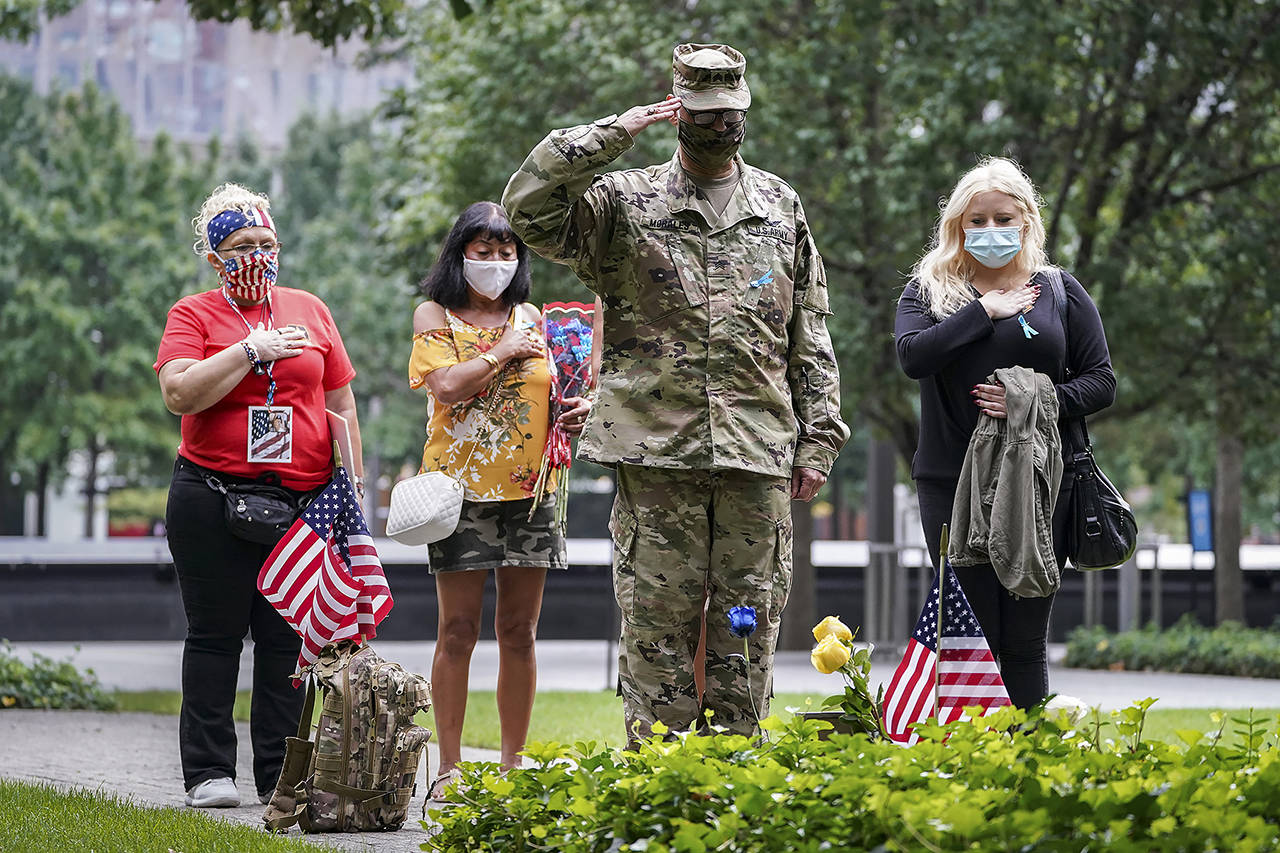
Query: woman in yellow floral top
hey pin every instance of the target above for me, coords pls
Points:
(479, 349)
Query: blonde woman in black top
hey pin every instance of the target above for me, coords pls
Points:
(977, 301)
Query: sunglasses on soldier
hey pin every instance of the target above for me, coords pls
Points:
(706, 118)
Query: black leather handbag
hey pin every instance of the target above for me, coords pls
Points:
(1102, 532)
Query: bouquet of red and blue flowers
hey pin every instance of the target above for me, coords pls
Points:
(568, 328)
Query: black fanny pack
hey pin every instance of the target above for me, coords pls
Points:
(259, 512)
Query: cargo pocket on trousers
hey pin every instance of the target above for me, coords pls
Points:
(622, 527)
(783, 544)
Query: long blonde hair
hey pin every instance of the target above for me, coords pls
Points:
(229, 196)
(944, 273)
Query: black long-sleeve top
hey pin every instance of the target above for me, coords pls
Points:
(950, 356)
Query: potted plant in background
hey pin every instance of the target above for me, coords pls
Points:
(854, 710)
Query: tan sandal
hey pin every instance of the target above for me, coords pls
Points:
(443, 784)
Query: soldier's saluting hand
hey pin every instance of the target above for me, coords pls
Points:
(638, 118)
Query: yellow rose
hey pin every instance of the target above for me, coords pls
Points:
(832, 627)
(829, 655)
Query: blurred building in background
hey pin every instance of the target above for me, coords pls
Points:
(194, 80)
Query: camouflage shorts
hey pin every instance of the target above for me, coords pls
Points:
(498, 533)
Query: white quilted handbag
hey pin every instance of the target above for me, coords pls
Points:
(424, 508)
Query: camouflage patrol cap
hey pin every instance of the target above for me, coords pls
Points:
(710, 77)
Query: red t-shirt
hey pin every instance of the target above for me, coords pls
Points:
(203, 324)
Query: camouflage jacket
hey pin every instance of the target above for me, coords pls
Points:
(716, 351)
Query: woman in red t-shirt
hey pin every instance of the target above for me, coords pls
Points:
(251, 368)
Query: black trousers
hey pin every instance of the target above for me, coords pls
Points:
(1017, 629)
(218, 576)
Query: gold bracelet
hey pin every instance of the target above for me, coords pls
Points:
(491, 359)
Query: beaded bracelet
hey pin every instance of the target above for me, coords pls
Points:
(253, 356)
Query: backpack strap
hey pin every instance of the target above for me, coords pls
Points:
(362, 796)
(292, 786)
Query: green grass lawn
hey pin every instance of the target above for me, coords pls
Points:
(569, 717)
(41, 818)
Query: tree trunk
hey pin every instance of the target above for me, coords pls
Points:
(835, 486)
(11, 502)
(1228, 580)
(42, 499)
(90, 488)
(801, 610)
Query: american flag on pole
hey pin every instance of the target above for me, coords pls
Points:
(324, 576)
(942, 677)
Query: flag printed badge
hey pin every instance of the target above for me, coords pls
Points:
(946, 668)
(324, 576)
(270, 434)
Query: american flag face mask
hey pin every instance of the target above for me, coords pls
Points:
(250, 278)
(247, 278)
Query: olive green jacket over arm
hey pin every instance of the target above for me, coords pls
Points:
(1003, 512)
(716, 351)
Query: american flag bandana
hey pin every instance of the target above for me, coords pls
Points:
(227, 221)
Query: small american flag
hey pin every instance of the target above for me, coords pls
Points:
(964, 671)
(324, 576)
(270, 434)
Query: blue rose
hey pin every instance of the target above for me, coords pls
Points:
(742, 621)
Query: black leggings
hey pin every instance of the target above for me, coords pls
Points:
(1017, 629)
(218, 576)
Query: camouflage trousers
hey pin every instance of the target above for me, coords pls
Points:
(679, 535)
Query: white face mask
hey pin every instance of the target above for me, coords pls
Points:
(489, 278)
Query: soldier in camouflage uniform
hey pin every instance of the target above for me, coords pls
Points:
(718, 393)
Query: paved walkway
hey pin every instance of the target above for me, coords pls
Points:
(589, 665)
(135, 755)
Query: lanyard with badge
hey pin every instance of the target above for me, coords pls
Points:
(270, 428)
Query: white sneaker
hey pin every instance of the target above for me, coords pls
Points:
(214, 794)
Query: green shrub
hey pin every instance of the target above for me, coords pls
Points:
(46, 683)
(1228, 649)
(995, 785)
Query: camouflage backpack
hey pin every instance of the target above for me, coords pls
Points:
(359, 774)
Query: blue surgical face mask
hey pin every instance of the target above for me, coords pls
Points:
(993, 247)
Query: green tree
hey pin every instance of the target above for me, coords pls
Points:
(326, 21)
(94, 255)
(20, 19)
